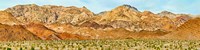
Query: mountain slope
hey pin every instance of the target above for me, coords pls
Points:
(7, 18)
(15, 32)
(189, 30)
(41, 31)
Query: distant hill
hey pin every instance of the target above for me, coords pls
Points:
(189, 30)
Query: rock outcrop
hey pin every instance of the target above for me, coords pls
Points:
(8, 19)
(41, 31)
(50, 14)
(15, 33)
(133, 20)
(189, 30)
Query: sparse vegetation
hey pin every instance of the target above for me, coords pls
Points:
(125, 44)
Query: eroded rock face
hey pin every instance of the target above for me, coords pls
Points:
(167, 14)
(189, 30)
(15, 33)
(50, 14)
(41, 31)
(133, 20)
(8, 19)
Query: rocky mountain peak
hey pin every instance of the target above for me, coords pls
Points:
(126, 8)
(146, 13)
(121, 13)
(84, 7)
(167, 14)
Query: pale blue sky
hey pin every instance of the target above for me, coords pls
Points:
(96, 6)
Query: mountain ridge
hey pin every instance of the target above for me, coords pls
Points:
(51, 22)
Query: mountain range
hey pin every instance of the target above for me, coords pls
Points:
(49, 22)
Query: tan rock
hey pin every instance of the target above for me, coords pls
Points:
(8, 19)
(50, 14)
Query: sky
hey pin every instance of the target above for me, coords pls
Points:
(96, 6)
